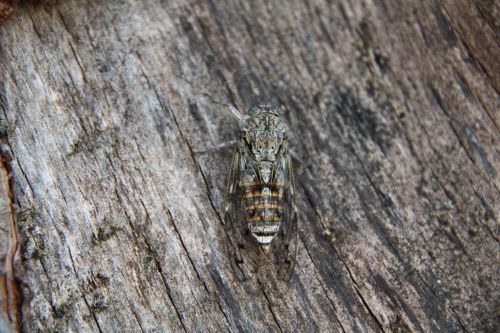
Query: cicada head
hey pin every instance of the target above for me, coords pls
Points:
(264, 132)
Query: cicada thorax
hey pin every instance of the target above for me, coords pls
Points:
(262, 186)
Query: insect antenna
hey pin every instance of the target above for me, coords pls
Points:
(237, 114)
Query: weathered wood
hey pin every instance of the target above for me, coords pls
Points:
(7, 9)
(114, 118)
(10, 315)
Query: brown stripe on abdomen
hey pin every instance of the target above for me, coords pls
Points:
(262, 202)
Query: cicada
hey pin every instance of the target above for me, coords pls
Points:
(259, 209)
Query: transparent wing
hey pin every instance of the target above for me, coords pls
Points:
(286, 242)
(235, 220)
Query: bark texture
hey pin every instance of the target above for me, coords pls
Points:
(114, 120)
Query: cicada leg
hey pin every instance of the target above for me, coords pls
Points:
(220, 146)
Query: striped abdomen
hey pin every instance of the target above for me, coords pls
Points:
(263, 205)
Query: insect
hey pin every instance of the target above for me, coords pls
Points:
(259, 209)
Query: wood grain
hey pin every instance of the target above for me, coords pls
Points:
(115, 116)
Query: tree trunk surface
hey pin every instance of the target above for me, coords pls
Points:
(117, 138)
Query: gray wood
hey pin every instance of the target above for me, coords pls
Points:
(115, 123)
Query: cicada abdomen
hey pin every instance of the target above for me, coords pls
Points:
(259, 207)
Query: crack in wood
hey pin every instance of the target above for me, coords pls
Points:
(322, 285)
(91, 310)
(356, 287)
(136, 318)
(269, 305)
(186, 250)
(165, 284)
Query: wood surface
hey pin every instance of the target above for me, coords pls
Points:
(116, 134)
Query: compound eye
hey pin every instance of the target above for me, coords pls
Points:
(256, 122)
(250, 137)
(247, 136)
(253, 110)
